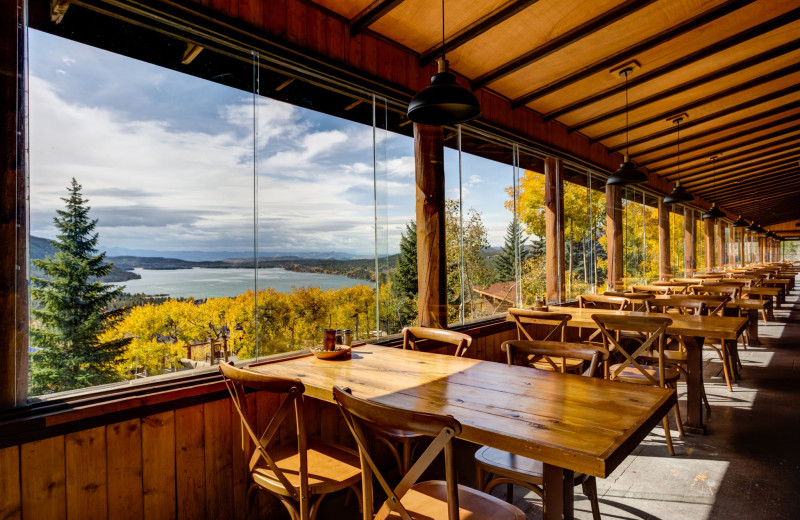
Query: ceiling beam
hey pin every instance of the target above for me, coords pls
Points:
(559, 42)
(726, 139)
(755, 117)
(475, 29)
(371, 14)
(715, 48)
(702, 185)
(708, 99)
(633, 51)
(755, 186)
(755, 82)
(740, 158)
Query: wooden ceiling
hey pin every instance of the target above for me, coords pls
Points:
(732, 67)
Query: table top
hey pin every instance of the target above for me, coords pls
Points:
(766, 291)
(579, 423)
(723, 327)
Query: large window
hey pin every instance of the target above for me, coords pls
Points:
(640, 237)
(676, 231)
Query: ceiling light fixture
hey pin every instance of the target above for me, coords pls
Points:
(679, 193)
(444, 101)
(628, 173)
(714, 212)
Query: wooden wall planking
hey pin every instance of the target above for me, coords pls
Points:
(86, 477)
(124, 460)
(158, 466)
(10, 500)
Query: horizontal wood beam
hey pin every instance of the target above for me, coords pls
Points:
(741, 87)
(727, 139)
(475, 29)
(634, 50)
(781, 166)
(755, 117)
(670, 67)
(371, 14)
(750, 187)
(559, 42)
(708, 99)
(764, 152)
(740, 164)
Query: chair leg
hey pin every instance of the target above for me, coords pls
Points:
(509, 493)
(678, 420)
(590, 490)
(406, 459)
(667, 435)
(727, 369)
(479, 478)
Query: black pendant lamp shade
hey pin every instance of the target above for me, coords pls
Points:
(443, 102)
(713, 213)
(679, 193)
(627, 173)
(753, 227)
(740, 222)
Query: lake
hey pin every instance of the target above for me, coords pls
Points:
(204, 282)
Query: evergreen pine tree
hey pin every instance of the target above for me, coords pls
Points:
(504, 262)
(404, 279)
(69, 312)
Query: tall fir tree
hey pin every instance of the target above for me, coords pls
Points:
(70, 307)
(404, 279)
(504, 262)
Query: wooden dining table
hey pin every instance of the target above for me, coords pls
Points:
(692, 330)
(570, 423)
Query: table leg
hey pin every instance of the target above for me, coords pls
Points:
(770, 307)
(752, 327)
(559, 493)
(733, 352)
(694, 381)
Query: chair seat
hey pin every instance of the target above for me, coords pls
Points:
(634, 375)
(427, 500)
(572, 364)
(507, 464)
(330, 468)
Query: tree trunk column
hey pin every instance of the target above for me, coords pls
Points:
(13, 216)
(614, 235)
(721, 245)
(741, 246)
(431, 259)
(664, 250)
(554, 229)
(709, 237)
(689, 242)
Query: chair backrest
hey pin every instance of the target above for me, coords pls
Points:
(652, 327)
(557, 320)
(602, 301)
(715, 304)
(460, 340)
(657, 289)
(359, 412)
(732, 289)
(684, 306)
(640, 301)
(523, 352)
(236, 381)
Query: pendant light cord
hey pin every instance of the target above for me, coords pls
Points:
(627, 152)
(443, 51)
(678, 122)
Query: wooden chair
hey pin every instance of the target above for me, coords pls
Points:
(640, 301)
(413, 334)
(655, 289)
(406, 439)
(630, 370)
(558, 333)
(505, 468)
(411, 499)
(295, 473)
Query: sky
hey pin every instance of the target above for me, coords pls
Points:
(167, 162)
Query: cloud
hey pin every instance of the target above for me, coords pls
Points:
(67, 60)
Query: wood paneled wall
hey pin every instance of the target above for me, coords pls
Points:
(186, 463)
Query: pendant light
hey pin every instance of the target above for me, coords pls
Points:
(628, 173)
(444, 101)
(753, 227)
(679, 193)
(740, 222)
(714, 212)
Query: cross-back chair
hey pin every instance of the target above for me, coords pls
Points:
(662, 375)
(411, 499)
(461, 341)
(505, 468)
(640, 301)
(558, 322)
(298, 472)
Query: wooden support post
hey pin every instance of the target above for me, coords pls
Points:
(689, 241)
(431, 264)
(741, 246)
(554, 229)
(13, 214)
(614, 235)
(664, 249)
(709, 237)
(721, 246)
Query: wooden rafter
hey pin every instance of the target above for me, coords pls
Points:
(559, 42)
(743, 173)
(475, 29)
(634, 50)
(756, 186)
(765, 150)
(721, 113)
(683, 62)
(738, 163)
(371, 14)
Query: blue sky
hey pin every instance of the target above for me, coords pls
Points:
(167, 162)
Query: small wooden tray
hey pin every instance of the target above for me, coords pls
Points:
(340, 351)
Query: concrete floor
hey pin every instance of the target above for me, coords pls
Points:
(746, 467)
